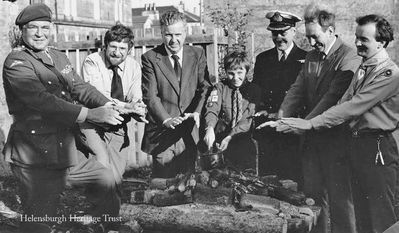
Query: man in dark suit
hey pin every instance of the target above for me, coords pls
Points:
(324, 78)
(275, 70)
(42, 90)
(175, 81)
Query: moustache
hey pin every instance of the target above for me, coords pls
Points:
(361, 48)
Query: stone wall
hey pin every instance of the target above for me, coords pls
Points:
(346, 13)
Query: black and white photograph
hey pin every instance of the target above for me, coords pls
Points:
(199, 116)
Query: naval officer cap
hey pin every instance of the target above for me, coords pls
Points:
(33, 12)
(281, 20)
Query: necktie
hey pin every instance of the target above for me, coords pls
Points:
(283, 56)
(116, 85)
(176, 66)
(237, 106)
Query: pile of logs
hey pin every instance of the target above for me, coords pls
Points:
(221, 200)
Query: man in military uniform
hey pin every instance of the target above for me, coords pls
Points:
(229, 110)
(275, 70)
(371, 108)
(42, 90)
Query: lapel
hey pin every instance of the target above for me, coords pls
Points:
(188, 64)
(41, 56)
(328, 61)
(167, 69)
(291, 55)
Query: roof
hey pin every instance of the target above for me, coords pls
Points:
(190, 17)
(139, 19)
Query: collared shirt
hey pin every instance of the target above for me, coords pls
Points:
(374, 105)
(96, 72)
(329, 47)
(287, 51)
(179, 54)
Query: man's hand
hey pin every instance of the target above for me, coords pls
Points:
(225, 143)
(173, 122)
(137, 107)
(209, 138)
(263, 113)
(195, 116)
(104, 114)
(272, 124)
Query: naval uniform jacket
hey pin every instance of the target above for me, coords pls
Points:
(166, 97)
(275, 77)
(218, 109)
(44, 110)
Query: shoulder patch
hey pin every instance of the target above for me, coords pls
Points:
(388, 73)
(15, 63)
(68, 68)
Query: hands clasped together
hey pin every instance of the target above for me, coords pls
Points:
(111, 113)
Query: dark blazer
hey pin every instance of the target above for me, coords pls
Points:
(319, 90)
(165, 97)
(44, 110)
(274, 77)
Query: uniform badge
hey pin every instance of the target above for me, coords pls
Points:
(301, 61)
(67, 69)
(16, 62)
(213, 98)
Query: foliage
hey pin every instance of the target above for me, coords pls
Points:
(234, 23)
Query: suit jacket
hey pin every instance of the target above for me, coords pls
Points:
(44, 108)
(165, 97)
(320, 86)
(274, 77)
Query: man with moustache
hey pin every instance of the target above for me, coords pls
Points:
(275, 70)
(118, 76)
(370, 107)
(42, 90)
(175, 80)
(324, 78)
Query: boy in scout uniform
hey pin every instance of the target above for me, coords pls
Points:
(231, 105)
(42, 90)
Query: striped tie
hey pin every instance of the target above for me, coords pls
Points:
(237, 107)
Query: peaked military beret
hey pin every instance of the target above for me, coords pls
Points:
(33, 12)
(280, 20)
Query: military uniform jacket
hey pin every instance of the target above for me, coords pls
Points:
(218, 110)
(43, 109)
(275, 77)
(371, 102)
(166, 97)
(320, 86)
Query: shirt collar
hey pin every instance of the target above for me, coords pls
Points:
(179, 54)
(329, 47)
(287, 51)
(376, 59)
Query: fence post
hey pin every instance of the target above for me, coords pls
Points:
(213, 61)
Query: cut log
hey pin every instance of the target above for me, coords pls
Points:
(169, 199)
(199, 218)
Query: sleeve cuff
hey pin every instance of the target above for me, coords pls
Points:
(82, 115)
(317, 122)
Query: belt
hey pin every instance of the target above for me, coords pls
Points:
(370, 133)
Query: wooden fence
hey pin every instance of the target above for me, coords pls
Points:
(214, 46)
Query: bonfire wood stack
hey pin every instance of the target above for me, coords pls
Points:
(203, 203)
